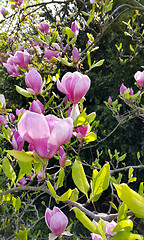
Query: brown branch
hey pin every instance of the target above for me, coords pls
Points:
(127, 168)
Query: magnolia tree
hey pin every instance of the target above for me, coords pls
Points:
(46, 140)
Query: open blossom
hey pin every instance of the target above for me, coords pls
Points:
(81, 132)
(139, 77)
(17, 142)
(109, 227)
(45, 133)
(37, 106)
(44, 27)
(56, 220)
(74, 85)
(75, 28)
(49, 54)
(12, 69)
(22, 58)
(33, 81)
(20, 111)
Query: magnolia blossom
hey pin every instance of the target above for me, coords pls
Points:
(95, 236)
(123, 88)
(37, 106)
(33, 81)
(29, 177)
(81, 132)
(10, 39)
(75, 55)
(74, 85)
(49, 54)
(20, 111)
(3, 120)
(139, 77)
(22, 181)
(17, 142)
(22, 58)
(75, 28)
(93, 1)
(3, 11)
(12, 69)
(74, 112)
(11, 117)
(39, 176)
(110, 100)
(109, 227)
(44, 27)
(62, 157)
(45, 133)
(56, 220)
(2, 100)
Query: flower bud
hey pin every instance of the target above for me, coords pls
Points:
(123, 88)
(10, 39)
(3, 11)
(110, 100)
(17, 142)
(20, 111)
(56, 220)
(3, 120)
(22, 181)
(49, 54)
(75, 28)
(11, 117)
(75, 55)
(33, 81)
(12, 69)
(74, 112)
(2, 100)
(62, 157)
(22, 58)
(37, 106)
(39, 176)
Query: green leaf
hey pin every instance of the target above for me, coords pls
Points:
(80, 119)
(98, 64)
(60, 178)
(100, 182)
(42, 35)
(122, 212)
(85, 221)
(23, 91)
(25, 167)
(131, 48)
(8, 170)
(21, 156)
(113, 205)
(79, 177)
(123, 235)
(91, 117)
(69, 32)
(65, 196)
(74, 196)
(132, 199)
(90, 137)
(141, 189)
(53, 193)
(73, 40)
(16, 203)
(37, 39)
(54, 36)
(127, 225)
(65, 62)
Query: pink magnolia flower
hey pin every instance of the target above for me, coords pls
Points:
(75, 28)
(45, 133)
(139, 77)
(29, 177)
(12, 69)
(96, 236)
(20, 111)
(123, 88)
(74, 111)
(56, 220)
(49, 54)
(75, 55)
(17, 142)
(110, 100)
(62, 157)
(11, 117)
(82, 132)
(22, 181)
(110, 226)
(3, 11)
(93, 1)
(10, 39)
(18, 2)
(131, 92)
(74, 85)
(37, 106)
(44, 27)
(3, 120)
(33, 81)
(39, 176)
(2, 100)
(22, 58)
